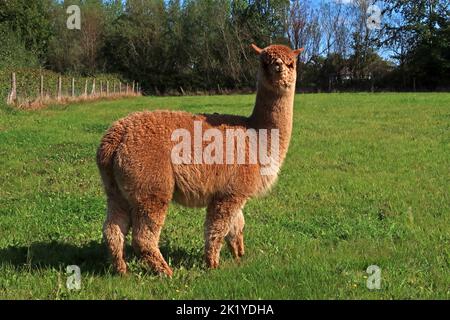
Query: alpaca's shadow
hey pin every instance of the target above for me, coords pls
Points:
(92, 257)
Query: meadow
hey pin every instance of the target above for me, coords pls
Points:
(366, 182)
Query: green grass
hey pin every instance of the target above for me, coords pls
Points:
(366, 182)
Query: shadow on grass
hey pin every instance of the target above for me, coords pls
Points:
(91, 258)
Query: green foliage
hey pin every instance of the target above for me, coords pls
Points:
(365, 183)
(13, 53)
(176, 46)
(421, 41)
(31, 21)
(198, 44)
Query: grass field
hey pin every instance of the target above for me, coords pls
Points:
(366, 182)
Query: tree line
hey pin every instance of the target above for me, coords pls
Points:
(175, 46)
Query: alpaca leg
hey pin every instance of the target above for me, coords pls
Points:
(148, 221)
(235, 237)
(220, 214)
(115, 230)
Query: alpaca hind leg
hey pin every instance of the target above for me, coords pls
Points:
(220, 214)
(235, 237)
(148, 221)
(115, 230)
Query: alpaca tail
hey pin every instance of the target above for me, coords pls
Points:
(109, 144)
(105, 157)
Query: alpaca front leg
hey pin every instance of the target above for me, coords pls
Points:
(235, 237)
(147, 224)
(115, 230)
(219, 218)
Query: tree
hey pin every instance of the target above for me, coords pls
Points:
(31, 20)
(13, 53)
(419, 31)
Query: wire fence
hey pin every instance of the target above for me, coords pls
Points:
(34, 92)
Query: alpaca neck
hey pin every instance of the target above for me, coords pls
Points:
(274, 110)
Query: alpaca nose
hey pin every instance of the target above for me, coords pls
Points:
(278, 65)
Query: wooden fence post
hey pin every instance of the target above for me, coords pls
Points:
(85, 87)
(73, 87)
(59, 95)
(41, 87)
(13, 94)
(127, 88)
(133, 88)
(93, 88)
(107, 88)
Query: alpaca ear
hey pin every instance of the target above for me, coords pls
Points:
(256, 49)
(298, 51)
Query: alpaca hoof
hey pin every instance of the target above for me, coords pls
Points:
(122, 270)
(163, 270)
(241, 252)
(212, 263)
(167, 272)
(237, 249)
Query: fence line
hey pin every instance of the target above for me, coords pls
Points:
(69, 93)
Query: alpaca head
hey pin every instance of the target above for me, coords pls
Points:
(278, 67)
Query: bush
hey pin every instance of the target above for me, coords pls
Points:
(13, 52)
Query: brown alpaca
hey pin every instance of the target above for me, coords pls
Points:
(141, 179)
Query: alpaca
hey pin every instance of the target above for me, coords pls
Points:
(140, 178)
